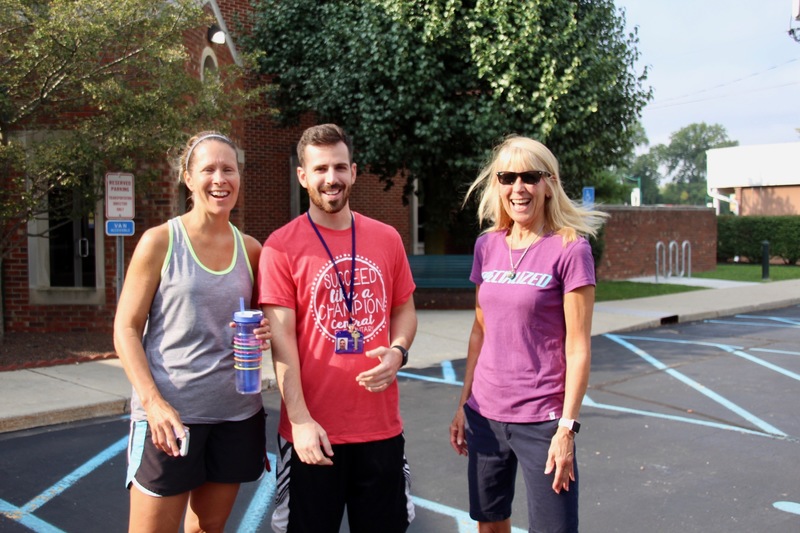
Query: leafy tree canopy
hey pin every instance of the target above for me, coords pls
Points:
(427, 88)
(93, 86)
(684, 160)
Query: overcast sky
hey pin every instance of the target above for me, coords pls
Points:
(728, 62)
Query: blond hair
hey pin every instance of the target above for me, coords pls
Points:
(562, 215)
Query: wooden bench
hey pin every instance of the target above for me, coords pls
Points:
(441, 271)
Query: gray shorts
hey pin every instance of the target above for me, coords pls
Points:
(495, 450)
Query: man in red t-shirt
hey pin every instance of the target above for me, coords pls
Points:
(338, 291)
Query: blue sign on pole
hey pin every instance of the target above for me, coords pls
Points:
(119, 228)
(588, 196)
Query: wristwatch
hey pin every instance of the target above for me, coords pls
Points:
(404, 352)
(570, 424)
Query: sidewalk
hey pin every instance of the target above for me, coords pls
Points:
(51, 395)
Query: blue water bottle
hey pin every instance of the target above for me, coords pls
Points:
(247, 351)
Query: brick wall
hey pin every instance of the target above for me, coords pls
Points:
(631, 234)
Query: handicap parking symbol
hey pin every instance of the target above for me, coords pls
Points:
(588, 196)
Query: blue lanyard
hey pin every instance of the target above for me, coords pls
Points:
(348, 299)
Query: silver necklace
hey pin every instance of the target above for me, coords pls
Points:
(513, 272)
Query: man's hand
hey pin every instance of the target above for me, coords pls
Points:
(311, 443)
(379, 378)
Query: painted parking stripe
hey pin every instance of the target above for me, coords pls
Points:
(742, 323)
(448, 372)
(588, 402)
(256, 511)
(735, 350)
(24, 514)
(770, 350)
(448, 375)
(26, 519)
(789, 507)
(769, 428)
(465, 523)
(785, 320)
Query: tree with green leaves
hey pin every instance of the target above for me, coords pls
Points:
(645, 169)
(684, 159)
(89, 87)
(427, 88)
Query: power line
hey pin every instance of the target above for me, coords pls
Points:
(666, 103)
(687, 102)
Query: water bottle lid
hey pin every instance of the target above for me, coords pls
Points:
(247, 317)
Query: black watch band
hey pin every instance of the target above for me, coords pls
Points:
(404, 352)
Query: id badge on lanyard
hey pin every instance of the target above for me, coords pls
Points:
(349, 340)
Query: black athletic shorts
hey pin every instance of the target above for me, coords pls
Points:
(370, 479)
(227, 452)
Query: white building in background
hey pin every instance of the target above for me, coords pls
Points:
(762, 179)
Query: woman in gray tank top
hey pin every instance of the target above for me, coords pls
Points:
(184, 282)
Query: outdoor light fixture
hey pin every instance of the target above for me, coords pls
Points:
(215, 34)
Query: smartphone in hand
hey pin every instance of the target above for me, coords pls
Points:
(183, 443)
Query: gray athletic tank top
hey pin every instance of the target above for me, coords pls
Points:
(187, 340)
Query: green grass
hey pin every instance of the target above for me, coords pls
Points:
(749, 272)
(626, 290)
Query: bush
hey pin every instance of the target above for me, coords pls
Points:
(598, 244)
(743, 237)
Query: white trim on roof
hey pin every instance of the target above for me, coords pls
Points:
(760, 165)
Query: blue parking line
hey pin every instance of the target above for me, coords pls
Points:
(770, 350)
(465, 523)
(256, 511)
(448, 371)
(789, 507)
(24, 515)
(702, 389)
(76, 475)
(775, 318)
(588, 402)
(26, 519)
(741, 323)
(448, 375)
(734, 350)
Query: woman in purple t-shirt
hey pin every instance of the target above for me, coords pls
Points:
(530, 346)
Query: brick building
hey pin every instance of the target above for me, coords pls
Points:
(761, 179)
(37, 294)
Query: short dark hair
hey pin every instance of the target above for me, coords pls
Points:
(323, 135)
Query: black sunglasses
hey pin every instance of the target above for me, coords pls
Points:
(529, 177)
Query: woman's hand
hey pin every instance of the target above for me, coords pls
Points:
(262, 333)
(165, 427)
(457, 439)
(561, 457)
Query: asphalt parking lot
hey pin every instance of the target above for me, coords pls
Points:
(686, 428)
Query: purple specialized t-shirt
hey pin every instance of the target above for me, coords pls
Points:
(521, 369)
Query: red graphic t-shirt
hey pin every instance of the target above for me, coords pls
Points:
(295, 271)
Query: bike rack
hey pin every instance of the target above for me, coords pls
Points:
(679, 263)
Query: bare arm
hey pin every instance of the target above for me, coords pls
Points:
(138, 291)
(402, 330)
(309, 438)
(262, 332)
(457, 440)
(578, 308)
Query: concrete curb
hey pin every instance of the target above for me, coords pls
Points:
(48, 418)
